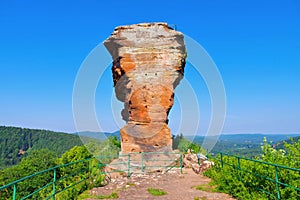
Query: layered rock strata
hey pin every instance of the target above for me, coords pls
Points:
(148, 63)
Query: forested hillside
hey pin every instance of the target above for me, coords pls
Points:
(15, 142)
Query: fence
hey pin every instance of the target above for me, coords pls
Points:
(57, 174)
(241, 165)
(84, 170)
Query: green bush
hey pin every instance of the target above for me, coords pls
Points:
(183, 144)
(87, 174)
(35, 161)
(247, 183)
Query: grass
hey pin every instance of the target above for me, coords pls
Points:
(202, 198)
(205, 187)
(156, 192)
(130, 184)
(85, 195)
(113, 195)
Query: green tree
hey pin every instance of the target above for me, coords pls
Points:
(78, 171)
(35, 161)
(74, 166)
(74, 154)
(108, 149)
(176, 140)
(185, 144)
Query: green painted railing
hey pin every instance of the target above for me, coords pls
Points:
(84, 168)
(240, 165)
(83, 173)
(147, 161)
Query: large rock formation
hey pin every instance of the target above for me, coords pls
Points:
(148, 63)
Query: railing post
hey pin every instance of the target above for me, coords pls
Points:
(54, 183)
(277, 185)
(15, 192)
(180, 163)
(221, 159)
(143, 167)
(128, 166)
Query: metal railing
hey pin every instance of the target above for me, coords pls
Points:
(149, 161)
(127, 163)
(241, 165)
(56, 180)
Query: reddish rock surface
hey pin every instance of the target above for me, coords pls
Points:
(148, 63)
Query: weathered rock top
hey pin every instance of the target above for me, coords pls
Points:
(149, 36)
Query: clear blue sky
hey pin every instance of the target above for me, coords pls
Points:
(255, 44)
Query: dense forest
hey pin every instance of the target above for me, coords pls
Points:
(16, 142)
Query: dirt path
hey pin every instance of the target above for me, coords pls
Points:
(178, 186)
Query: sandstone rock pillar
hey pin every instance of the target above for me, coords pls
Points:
(148, 63)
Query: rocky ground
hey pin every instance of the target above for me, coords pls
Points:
(176, 185)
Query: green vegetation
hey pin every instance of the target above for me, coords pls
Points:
(30, 151)
(282, 144)
(183, 144)
(113, 195)
(202, 198)
(205, 187)
(86, 195)
(106, 149)
(156, 192)
(15, 143)
(66, 176)
(130, 184)
(246, 184)
(36, 160)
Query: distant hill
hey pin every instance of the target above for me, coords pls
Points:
(243, 144)
(15, 142)
(97, 135)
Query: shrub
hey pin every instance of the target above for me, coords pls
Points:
(246, 183)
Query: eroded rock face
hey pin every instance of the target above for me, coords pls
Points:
(148, 63)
